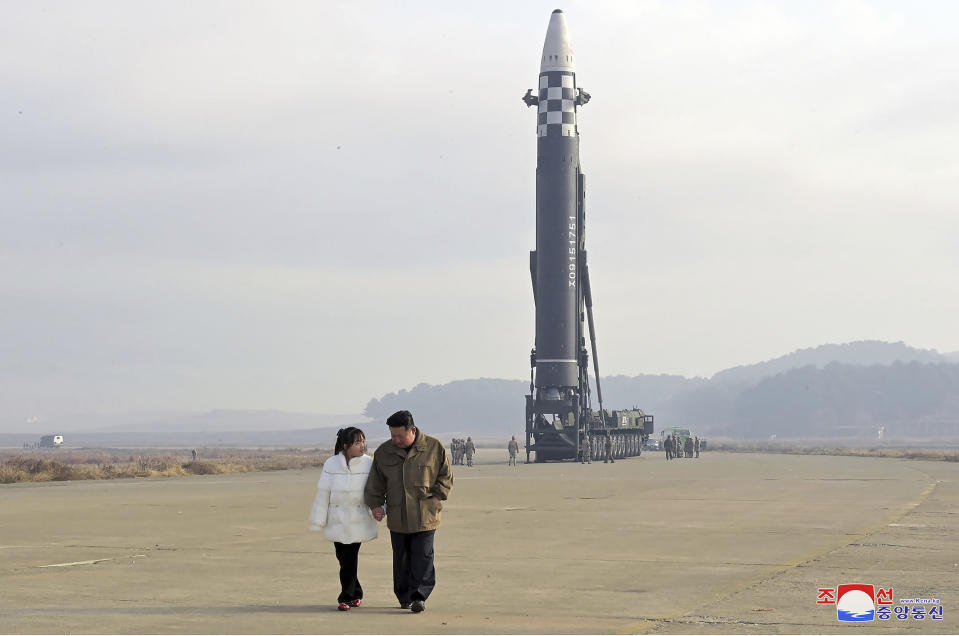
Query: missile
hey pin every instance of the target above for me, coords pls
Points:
(559, 413)
(558, 406)
(555, 264)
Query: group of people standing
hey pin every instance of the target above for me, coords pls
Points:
(676, 448)
(463, 449)
(405, 481)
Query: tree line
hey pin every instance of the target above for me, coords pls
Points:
(809, 393)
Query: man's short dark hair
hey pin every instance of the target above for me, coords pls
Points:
(400, 418)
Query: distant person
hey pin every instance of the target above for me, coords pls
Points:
(609, 449)
(513, 448)
(341, 513)
(411, 506)
(469, 449)
(688, 446)
(696, 446)
(587, 451)
(458, 452)
(668, 446)
(194, 454)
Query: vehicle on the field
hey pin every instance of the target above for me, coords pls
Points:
(51, 441)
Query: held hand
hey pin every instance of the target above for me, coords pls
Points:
(378, 513)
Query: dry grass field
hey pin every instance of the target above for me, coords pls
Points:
(70, 465)
(42, 465)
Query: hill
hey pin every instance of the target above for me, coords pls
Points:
(862, 352)
(906, 399)
(486, 407)
(874, 384)
(854, 388)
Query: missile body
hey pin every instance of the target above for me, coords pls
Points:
(558, 399)
(558, 180)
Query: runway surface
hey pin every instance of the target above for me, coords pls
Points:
(727, 543)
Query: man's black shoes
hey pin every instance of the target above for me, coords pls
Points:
(405, 604)
(418, 606)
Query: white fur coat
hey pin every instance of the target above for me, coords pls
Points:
(338, 510)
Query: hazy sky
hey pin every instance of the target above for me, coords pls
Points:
(302, 205)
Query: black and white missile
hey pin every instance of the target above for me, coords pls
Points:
(559, 186)
(560, 419)
(558, 265)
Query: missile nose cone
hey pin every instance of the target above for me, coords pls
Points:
(557, 50)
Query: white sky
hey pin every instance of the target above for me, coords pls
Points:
(302, 205)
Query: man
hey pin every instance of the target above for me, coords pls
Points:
(513, 448)
(609, 449)
(410, 478)
(469, 449)
(587, 452)
(696, 446)
(668, 446)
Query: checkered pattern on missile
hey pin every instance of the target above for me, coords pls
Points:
(557, 105)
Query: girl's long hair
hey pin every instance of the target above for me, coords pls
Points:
(346, 437)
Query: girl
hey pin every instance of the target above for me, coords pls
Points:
(339, 511)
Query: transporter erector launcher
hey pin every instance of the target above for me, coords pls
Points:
(558, 409)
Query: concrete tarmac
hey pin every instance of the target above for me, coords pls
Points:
(727, 543)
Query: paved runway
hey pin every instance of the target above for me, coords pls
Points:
(728, 543)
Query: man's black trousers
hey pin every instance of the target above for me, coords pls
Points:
(348, 554)
(414, 576)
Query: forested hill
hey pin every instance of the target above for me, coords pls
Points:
(482, 407)
(908, 398)
(863, 352)
(489, 407)
(845, 390)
